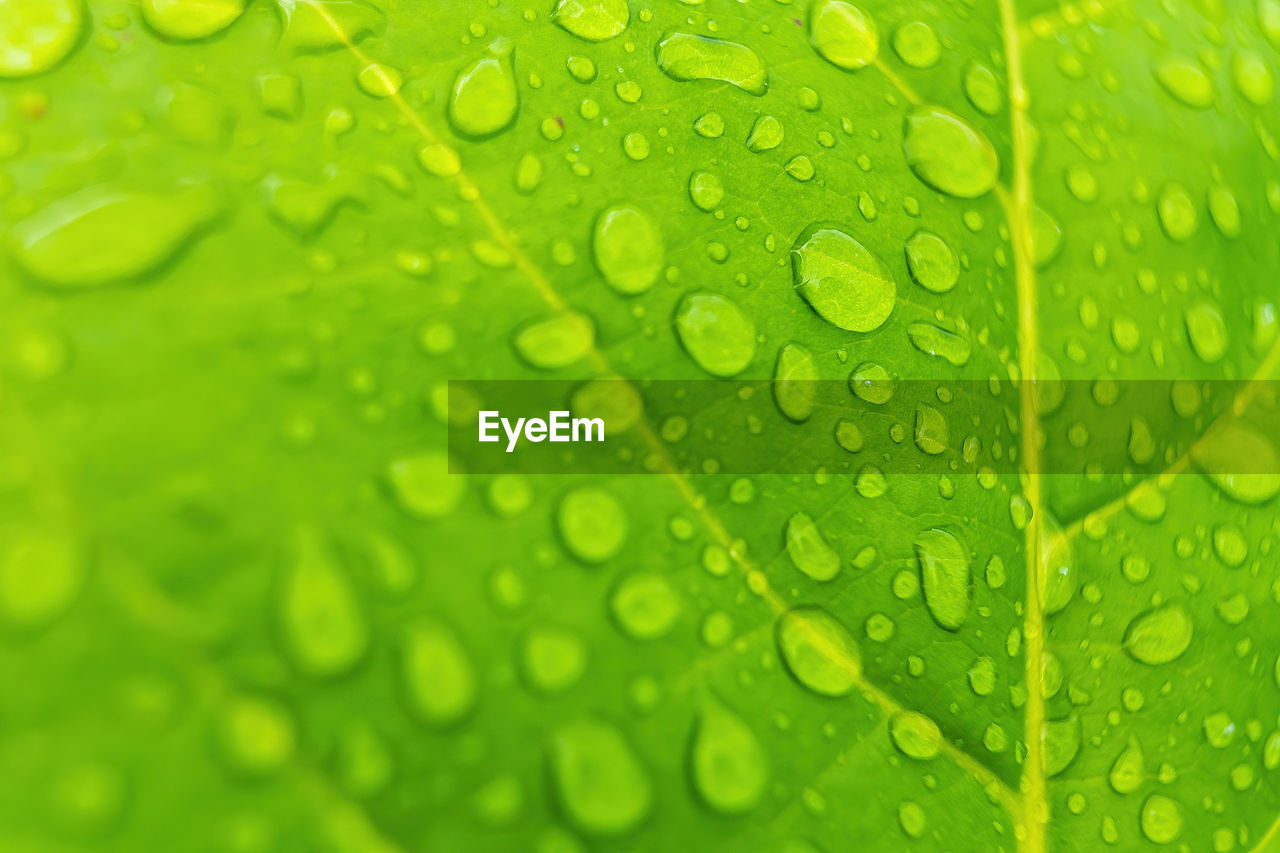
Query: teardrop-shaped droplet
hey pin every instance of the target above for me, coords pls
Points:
(685, 56)
(627, 247)
(818, 651)
(1059, 576)
(35, 35)
(808, 550)
(945, 576)
(484, 99)
(948, 154)
(1061, 739)
(555, 341)
(1159, 635)
(592, 524)
(932, 263)
(841, 280)
(592, 20)
(795, 388)
(730, 769)
(324, 630)
(101, 235)
(843, 34)
(715, 333)
(1126, 773)
(766, 134)
(186, 20)
(600, 783)
(438, 680)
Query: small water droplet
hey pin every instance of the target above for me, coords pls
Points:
(766, 134)
(715, 333)
(917, 44)
(1159, 635)
(795, 383)
(809, 551)
(645, 605)
(932, 263)
(592, 524)
(555, 341)
(841, 280)
(818, 651)
(422, 485)
(592, 20)
(946, 577)
(484, 100)
(915, 735)
(627, 247)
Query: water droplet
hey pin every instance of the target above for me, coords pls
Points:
(101, 235)
(818, 651)
(323, 628)
(1127, 772)
(1232, 447)
(843, 34)
(1219, 729)
(255, 736)
(766, 134)
(645, 605)
(185, 20)
(841, 280)
(1177, 213)
(917, 44)
(422, 485)
(598, 778)
(1207, 330)
(949, 155)
(1059, 576)
(944, 343)
(932, 263)
(982, 676)
(379, 81)
(871, 383)
(809, 551)
(705, 190)
(437, 677)
(946, 577)
(1230, 545)
(35, 35)
(627, 247)
(1225, 211)
(915, 735)
(912, 819)
(983, 89)
(684, 56)
(730, 769)
(1161, 819)
(1253, 78)
(484, 99)
(365, 763)
(1061, 739)
(931, 431)
(715, 333)
(1185, 80)
(592, 524)
(41, 573)
(592, 20)
(800, 167)
(556, 341)
(1159, 635)
(552, 659)
(795, 383)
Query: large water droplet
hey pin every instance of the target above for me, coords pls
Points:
(843, 34)
(592, 20)
(555, 341)
(191, 19)
(949, 155)
(598, 778)
(809, 551)
(915, 735)
(684, 56)
(101, 235)
(484, 99)
(438, 680)
(422, 485)
(795, 387)
(323, 628)
(1228, 452)
(627, 247)
(841, 279)
(1061, 739)
(730, 770)
(946, 577)
(818, 651)
(715, 333)
(947, 344)
(36, 35)
(932, 263)
(1186, 81)
(1161, 819)
(917, 44)
(1159, 635)
(592, 524)
(41, 573)
(1207, 330)
(766, 134)
(645, 605)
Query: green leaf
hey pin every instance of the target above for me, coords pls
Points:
(250, 599)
